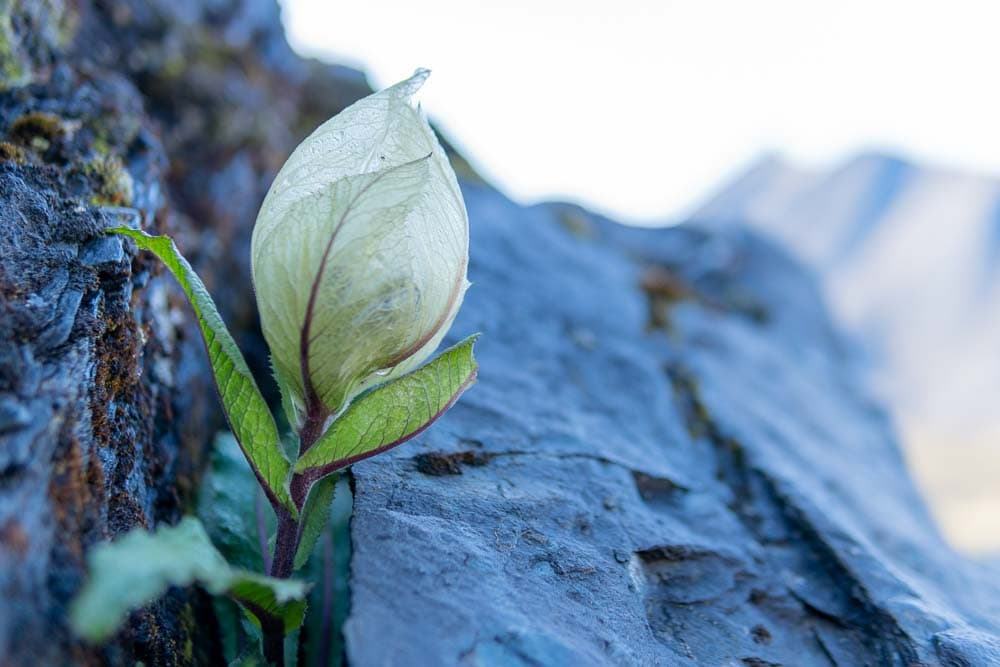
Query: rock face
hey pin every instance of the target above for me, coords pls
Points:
(907, 255)
(102, 397)
(668, 460)
(173, 115)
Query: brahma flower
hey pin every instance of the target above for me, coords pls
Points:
(359, 254)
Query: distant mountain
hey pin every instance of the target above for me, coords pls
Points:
(910, 262)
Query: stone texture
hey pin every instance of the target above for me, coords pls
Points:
(94, 368)
(675, 462)
(173, 116)
(669, 458)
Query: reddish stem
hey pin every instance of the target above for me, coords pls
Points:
(286, 542)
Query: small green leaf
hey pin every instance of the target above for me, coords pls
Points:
(261, 595)
(238, 519)
(393, 413)
(232, 507)
(248, 414)
(230, 618)
(140, 566)
(315, 517)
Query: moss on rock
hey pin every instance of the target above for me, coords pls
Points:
(113, 185)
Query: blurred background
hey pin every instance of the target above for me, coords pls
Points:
(860, 135)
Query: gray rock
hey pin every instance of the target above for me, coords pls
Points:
(167, 115)
(101, 251)
(668, 460)
(88, 448)
(965, 648)
(13, 415)
(673, 461)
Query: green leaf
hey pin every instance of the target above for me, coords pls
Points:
(232, 507)
(278, 598)
(238, 519)
(315, 517)
(393, 413)
(249, 417)
(139, 567)
(230, 617)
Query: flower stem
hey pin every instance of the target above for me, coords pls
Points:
(273, 630)
(286, 544)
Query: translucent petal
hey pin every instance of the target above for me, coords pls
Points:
(360, 251)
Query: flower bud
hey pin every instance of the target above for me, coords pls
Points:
(359, 253)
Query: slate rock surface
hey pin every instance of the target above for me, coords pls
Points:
(94, 368)
(169, 115)
(669, 459)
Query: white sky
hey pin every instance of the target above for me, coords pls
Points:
(640, 109)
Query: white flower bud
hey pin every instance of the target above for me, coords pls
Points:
(359, 253)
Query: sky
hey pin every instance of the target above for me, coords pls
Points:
(640, 110)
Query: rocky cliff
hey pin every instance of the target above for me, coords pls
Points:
(174, 115)
(669, 458)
